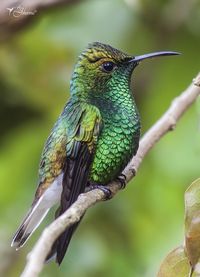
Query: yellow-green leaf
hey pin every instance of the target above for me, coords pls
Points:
(192, 222)
(175, 264)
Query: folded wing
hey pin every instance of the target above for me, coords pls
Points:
(80, 149)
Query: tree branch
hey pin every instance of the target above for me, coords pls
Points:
(15, 15)
(166, 123)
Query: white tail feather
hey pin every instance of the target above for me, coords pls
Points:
(37, 213)
(30, 223)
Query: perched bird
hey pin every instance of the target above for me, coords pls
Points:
(93, 139)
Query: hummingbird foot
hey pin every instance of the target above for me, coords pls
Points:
(107, 192)
(122, 180)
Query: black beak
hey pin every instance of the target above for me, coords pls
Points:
(152, 55)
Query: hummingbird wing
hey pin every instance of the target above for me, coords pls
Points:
(77, 127)
(80, 151)
(50, 183)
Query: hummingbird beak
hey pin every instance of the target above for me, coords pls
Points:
(152, 55)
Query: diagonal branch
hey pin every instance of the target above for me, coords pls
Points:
(166, 123)
(16, 15)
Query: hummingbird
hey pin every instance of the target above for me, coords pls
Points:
(92, 141)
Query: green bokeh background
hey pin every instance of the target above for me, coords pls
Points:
(130, 235)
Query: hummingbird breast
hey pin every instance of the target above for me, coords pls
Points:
(117, 143)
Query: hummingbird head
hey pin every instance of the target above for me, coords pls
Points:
(101, 68)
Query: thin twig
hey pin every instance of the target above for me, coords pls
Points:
(166, 123)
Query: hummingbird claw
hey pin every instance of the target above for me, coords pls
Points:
(122, 180)
(107, 192)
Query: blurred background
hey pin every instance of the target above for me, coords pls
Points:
(130, 235)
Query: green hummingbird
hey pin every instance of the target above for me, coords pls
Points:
(93, 139)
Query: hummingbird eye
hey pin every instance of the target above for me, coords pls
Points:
(107, 66)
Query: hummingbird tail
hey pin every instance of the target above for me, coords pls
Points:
(66, 237)
(37, 213)
(32, 220)
(75, 180)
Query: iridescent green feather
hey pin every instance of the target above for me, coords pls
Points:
(79, 122)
